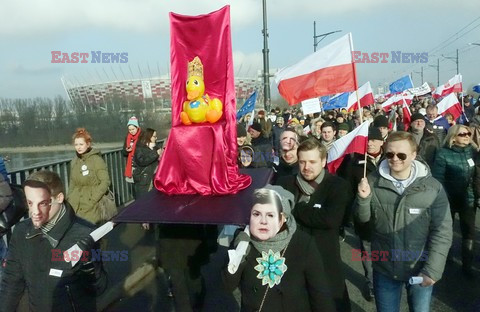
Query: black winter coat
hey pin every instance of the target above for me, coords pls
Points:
(428, 146)
(322, 217)
(145, 162)
(303, 288)
(51, 283)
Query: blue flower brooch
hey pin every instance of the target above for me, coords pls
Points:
(271, 267)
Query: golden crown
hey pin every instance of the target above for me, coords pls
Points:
(195, 68)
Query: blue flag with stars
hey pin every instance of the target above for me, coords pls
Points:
(401, 84)
(338, 101)
(248, 106)
(476, 88)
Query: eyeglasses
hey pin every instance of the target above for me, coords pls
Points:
(465, 134)
(401, 156)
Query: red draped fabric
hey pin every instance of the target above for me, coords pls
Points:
(202, 158)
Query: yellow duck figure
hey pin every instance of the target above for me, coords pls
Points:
(199, 107)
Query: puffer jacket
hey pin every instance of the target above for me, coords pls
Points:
(413, 229)
(454, 167)
(89, 181)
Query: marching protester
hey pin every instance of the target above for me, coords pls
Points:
(51, 283)
(6, 198)
(278, 128)
(320, 203)
(145, 162)
(411, 225)
(381, 122)
(328, 134)
(244, 148)
(130, 145)
(262, 148)
(316, 128)
(427, 142)
(89, 180)
(288, 163)
(436, 123)
(454, 167)
(295, 279)
(352, 170)
(266, 124)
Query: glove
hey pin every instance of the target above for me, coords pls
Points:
(86, 243)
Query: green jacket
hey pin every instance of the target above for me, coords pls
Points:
(412, 229)
(454, 167)
(89, 181)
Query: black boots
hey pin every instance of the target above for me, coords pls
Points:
(467, 256)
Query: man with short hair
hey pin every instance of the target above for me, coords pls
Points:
(328, 134)
(265, 123)
(321, 200)
(288, 163)
(427, 142)
(411, 225)
(262, 148)
(436, 123)
(36, 258)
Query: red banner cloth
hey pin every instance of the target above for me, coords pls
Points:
(202, 158)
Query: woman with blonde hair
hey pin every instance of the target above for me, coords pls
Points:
(89, 179)
(454, 167)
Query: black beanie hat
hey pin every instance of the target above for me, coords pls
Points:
(380, 121)
(256, 126)
(241, 131)
(416, 116)
(374, 134)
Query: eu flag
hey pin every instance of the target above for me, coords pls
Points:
(338, 101)
(476, 88)
(248, 106)
(401, 84)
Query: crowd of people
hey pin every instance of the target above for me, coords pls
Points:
(400, 197)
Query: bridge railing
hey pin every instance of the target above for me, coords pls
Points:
(116, 168)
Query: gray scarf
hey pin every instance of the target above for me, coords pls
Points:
(280, 241)
(306, 188)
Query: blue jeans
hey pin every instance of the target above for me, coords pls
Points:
(388, 293)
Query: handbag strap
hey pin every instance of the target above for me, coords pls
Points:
(266, 291)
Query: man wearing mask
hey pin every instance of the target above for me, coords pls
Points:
(288, 164)
(36, 259)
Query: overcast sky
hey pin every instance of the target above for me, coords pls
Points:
(30, 30)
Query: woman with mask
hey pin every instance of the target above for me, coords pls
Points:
(280, 269)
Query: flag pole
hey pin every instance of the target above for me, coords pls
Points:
(365, 163)
(355, 77)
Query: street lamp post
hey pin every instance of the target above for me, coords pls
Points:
(453, 58)
(438, 71)
(315, 36)
(266, 70)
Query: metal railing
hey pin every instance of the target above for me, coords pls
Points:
(116, 168)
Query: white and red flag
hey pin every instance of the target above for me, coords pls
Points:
(397, 100)
(450, 105)
(365, 94)
(330, 70)
(353, 142)
(453, 85)
(407, 115)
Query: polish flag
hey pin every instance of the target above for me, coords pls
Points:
(453, 85)
(353, 142)
(387, 105)
(407, 115)
(450, 104)
(365, 94)
(397, 100)
(328, 71)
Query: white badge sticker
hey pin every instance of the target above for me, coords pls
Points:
(361, 162)
(55, 272)
(317, 206)
(85, 172)
(84, 167)
(414, 211)
(470, 162)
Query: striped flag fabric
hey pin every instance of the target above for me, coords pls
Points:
(407, 115)
(450, 105)
(353, 142)
(365, 94)
(330, 70)
(453, 85)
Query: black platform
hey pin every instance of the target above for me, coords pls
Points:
(157, 207)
